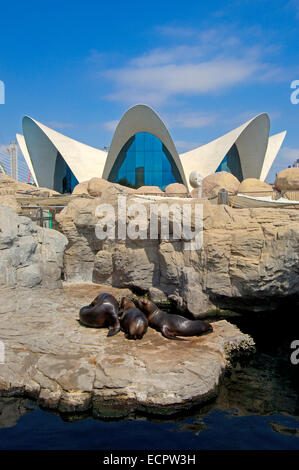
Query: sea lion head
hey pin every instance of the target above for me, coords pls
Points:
(126, 303)
(95, 301)
(209, 328)
(147, 306)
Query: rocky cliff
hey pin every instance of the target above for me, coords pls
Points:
(249, 259)
(52, 358)
(30, 256)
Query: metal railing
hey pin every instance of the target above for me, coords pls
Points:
(44, 216)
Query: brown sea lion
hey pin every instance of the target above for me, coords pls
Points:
(133, 322)
(102, 311)
(171, 325)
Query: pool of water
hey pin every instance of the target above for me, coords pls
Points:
(257, 408)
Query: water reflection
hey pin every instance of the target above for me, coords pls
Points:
(11, 409)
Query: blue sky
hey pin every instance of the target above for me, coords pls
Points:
(205, 67)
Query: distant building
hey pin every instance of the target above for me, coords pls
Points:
(142, 153)
(24, 174)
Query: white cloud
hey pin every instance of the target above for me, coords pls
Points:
(199, 62)
(290, 154)
(158, 83)
(185, 146)
(241, 118)
(160, 56)
(110, 125)
(59, 125)
(191, 120)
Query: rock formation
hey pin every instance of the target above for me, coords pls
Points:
(287, 182)
(287, 179)
(65, 366)
(10, 200)
(81, 188)
(12, 409)
(9, 186)
(96, 186)
(176, 189)
(222, 179)
(29, 255)
(255, 187)
(11, 190)
(249, 259)
(149, 190)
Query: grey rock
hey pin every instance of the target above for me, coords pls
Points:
(29, 276)
(103, 268)
(157, 295)
(25, 226)
(10, 200)
(29, 255)
(8, 227)
(11, 409)
(65, 366)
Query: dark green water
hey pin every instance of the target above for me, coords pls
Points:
(257, 408)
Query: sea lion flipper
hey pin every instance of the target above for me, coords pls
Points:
(113, 331)
(169, 335)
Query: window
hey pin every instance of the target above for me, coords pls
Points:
(231, 163)
(64, 179)
(144, 160)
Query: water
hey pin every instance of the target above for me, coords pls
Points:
(257, 408)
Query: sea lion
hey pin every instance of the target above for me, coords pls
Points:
(133, 322)
(102, 311)
(171, 325)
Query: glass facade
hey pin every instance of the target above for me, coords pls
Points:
(70, 180)
(144, 161)
(231, 163)
(64, 179)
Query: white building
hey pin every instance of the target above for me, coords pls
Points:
(142, 152)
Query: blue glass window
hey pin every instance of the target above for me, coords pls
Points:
(231, 163)
(64, 178)
(144, 160)
(70, 180)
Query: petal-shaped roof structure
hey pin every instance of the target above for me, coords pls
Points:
(246, 151)
(140, 118)
(274, 144)
(22, 143)
(251, 140)
(44, 145)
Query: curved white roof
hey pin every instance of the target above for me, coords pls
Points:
(274, 144)
(43, 144)
(22, 143)
(251, 140)
(140, 118)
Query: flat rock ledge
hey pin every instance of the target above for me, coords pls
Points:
(64, 366)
